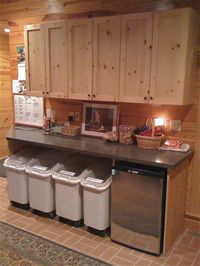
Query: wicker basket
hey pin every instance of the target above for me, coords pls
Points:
(71, 131)
(150, 143)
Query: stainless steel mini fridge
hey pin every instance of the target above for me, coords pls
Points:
(138, 206)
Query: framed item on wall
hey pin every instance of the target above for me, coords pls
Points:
(98, 119)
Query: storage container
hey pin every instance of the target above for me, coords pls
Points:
(96, 196)
(69, 193)
(41, 184)
(126, 134)
(71, 131)
(17, 178)
(149, 143)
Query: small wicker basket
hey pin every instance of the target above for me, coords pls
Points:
(71, 131)
(150, 143)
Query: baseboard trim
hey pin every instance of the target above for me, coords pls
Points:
(192, 222)
(192, 217)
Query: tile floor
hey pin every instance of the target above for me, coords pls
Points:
(186, 251)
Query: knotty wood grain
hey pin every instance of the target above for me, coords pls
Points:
(21, 12)
(6, 102)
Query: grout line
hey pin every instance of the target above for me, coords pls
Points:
(115, 253)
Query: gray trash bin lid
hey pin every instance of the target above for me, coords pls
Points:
(99, 177)
(47, 162)
(20, 159)
(73, 169)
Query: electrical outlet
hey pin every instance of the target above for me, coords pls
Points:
(77, 116)
(71, 114)
(175, 125)
(50, 113)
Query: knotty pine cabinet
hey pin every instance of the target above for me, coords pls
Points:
(46, 59)
(143, 57)
(174, 35)
(94, 52)
(136, 50)
(34, 56)
(56, 60)
(157, 57)
(106, 58)
(80, 59)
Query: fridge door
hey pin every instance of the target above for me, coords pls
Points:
(136, 211)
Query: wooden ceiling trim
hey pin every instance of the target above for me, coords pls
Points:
(16, 9)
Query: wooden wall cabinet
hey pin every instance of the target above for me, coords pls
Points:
(136, 44)
(172, 56)
(143, 57)
(106, 58)
(80, 59)
(34, 56)
(94, 52)
(163, 75)
(56, 60)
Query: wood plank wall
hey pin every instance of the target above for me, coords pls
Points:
(21, 13)
(6, 110)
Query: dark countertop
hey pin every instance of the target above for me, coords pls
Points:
(97, 147)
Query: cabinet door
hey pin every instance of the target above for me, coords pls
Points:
(80, 59)
(169, 60)
(56, 59)
(34, 55)
(136, 44)
(106, 57)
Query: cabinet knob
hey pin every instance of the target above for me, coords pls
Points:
(94, 95)
(47, 92)
(43, 92)
(151, 98)
(145, 98)
(88, 95)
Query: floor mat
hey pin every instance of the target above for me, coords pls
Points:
(18, 247)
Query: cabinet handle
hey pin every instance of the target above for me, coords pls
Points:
(94, 95)
(145, 98)
(151, 98)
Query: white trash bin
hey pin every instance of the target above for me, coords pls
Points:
(69, 192)
(41, 184)
(17, 178)
(96, 196)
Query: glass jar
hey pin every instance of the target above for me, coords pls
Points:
(126, 133)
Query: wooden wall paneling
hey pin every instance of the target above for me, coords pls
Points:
(35, 67)
(62, 108)
(6, 103)
(135, 63)
(106, 51)
(56, 60)
(175, 204)
(193, 189)
(80, 59)
(22, 9)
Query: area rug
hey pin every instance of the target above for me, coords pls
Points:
(20, 248)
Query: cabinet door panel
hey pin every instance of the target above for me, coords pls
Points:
(35, 67)
(80, 58)
(56, 59)
(106, 57)
(169, 56)
(135, 57)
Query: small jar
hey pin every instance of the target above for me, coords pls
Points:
(126, 134)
